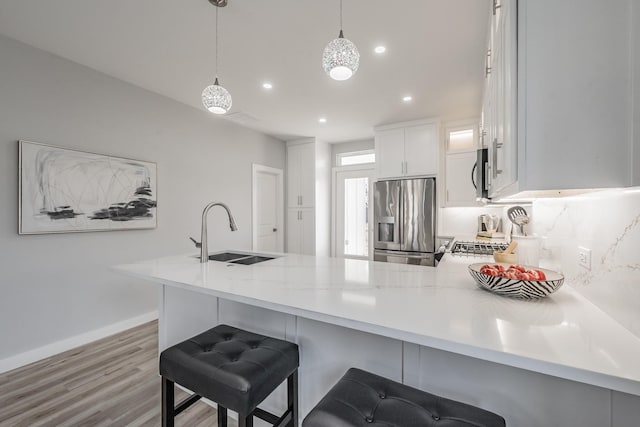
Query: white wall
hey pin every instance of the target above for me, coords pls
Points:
(608, 223)
(59, 286)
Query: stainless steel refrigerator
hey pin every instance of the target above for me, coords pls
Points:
(405, 221)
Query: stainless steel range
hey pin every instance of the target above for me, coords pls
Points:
(477, 248)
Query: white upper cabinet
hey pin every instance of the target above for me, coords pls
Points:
(301, 172)
(576, 85)
(461, 143)
(499, 107)
(421, 150)
(389, 152)
(570, 85)
(460, 190)
(408, 149)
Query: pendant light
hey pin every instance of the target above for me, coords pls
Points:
(341, 57)
(216, 98)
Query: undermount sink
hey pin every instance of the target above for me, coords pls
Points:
(254, 259)
(226, 256)
(237, 258)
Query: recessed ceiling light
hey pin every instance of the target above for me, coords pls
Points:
(267, 85)
(380, 49)
(407, 98)
(322, 120)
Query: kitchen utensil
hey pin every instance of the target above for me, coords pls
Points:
(512, 246)
(507, 256)
(482, 222)
(524, 289)
(519, 217)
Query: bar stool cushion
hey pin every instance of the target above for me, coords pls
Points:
(235, 368)
(364, 399)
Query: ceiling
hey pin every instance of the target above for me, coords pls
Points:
(435, 53)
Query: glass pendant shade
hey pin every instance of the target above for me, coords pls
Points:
(340, 58)
(216, 99)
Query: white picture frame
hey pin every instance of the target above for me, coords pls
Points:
(62, 190)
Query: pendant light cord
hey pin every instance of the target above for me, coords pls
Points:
(217, 42)
(340, 15)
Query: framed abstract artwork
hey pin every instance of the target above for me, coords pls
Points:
(63, 190)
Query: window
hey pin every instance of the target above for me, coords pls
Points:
(356, 158)
(461, 140)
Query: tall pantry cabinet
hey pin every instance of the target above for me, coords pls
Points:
(308, 197)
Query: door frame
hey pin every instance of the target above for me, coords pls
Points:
(255, 170)
(369, 167)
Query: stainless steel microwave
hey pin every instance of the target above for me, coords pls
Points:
(480, 174)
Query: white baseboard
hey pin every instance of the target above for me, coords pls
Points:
(57, 347)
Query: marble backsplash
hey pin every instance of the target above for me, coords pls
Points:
(608, 223)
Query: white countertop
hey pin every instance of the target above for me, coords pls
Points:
(563, 335)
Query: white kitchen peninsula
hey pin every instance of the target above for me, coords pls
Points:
(557, 361)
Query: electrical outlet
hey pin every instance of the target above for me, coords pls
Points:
(584, 257)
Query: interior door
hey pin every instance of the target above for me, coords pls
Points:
(268, 212)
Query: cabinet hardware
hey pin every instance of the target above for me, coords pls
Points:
(496, 6)
(496, 146)
(487, 65)
(275, 229)
(300, 215)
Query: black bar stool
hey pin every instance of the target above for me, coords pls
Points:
(364, 399)
(236, 369)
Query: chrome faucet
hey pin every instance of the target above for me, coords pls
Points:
(204, 251)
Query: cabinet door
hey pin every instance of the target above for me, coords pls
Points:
(390, 153)
(459, 186)
(294, 231)
(307, 176)
(421, 150)
(577, 111)
(503, 146)
(293, 175)
(308, 231)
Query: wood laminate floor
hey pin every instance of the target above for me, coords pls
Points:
(110, 382)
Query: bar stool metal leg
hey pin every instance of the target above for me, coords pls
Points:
(292, 397)
(245, 421)
(222, 416)
(167, 403)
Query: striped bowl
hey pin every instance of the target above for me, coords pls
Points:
(524, 289)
